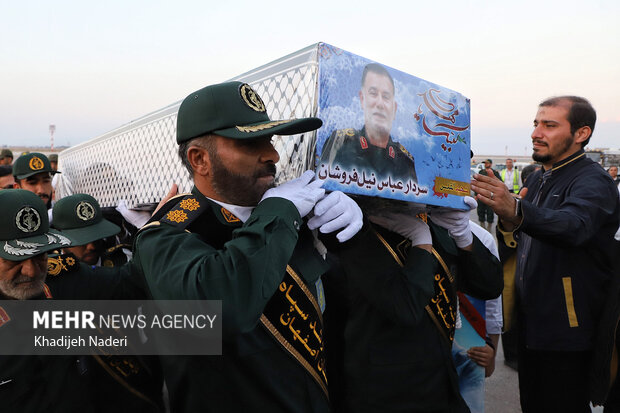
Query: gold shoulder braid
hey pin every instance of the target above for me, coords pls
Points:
(294, 319)
(442, 306)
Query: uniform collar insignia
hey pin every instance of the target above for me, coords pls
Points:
(229, 216)
(4, 317)
(46, 291)
(62, 263)
(363, 142)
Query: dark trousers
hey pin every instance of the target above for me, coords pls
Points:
(485, 213)
(553, 381)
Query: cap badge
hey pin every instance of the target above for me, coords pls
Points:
(85, 211)
(36, 163)
(251, 98)
(28, 219)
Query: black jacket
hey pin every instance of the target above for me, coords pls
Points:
(563, 279)
(385, 352)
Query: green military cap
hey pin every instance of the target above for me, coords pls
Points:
(79, 217)
(53, 157)
(233, 110)
(24, 226)
(6, 153)
(31, 164)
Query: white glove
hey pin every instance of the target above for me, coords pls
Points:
(135, 218)
(336, 211)
(409, 226)
(301, 192)
(456, 222)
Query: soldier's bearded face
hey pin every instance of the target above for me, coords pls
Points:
(242, 170)
(22, 280)
(377, 99)
(40, 184)
(88, 253)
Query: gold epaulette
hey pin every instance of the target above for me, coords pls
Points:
(62, 264)
(179, 212)
(405, 151)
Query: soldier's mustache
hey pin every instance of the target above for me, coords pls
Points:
(269, 169)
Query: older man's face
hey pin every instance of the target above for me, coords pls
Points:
(22, 280)
(377, 99)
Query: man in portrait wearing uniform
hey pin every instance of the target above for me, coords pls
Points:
(33, 172)
(238, 239)
(79, 217)
(560, 236)
(372, 149)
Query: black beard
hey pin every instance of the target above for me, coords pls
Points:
(239, 189)
(541, 158)
(546, 158)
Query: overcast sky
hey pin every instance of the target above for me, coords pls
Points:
(89, 67)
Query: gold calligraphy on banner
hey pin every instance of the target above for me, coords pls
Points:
(294, 318)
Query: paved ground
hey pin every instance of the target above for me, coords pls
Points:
(502, 388)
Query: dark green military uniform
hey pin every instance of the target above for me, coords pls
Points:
(350, 148)
(390, 320)
(130, 383)
(40, 384)
(64, 383)
(199, 250)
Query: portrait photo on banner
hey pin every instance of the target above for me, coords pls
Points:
(390, 134)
